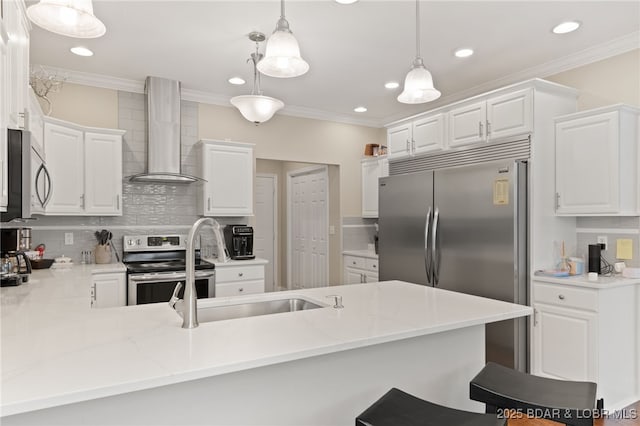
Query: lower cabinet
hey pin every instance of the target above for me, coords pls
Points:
(587, 334)
(108, 290)
(360, 269)
(238, 280)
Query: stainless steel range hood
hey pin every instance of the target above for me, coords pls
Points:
(162, 97)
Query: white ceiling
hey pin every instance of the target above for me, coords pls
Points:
(352, 49)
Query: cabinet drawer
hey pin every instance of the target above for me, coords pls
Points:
(371, 265)
(354, 262)
(580, 298)
(240, 288)
(239, 273)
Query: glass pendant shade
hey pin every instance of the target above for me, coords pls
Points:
(257, 108)
(282, 56)
(71, 18)
(418, 86)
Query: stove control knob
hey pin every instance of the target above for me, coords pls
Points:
(129, 242)
(138, 242)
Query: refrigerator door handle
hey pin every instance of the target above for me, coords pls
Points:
(434, 248)
(427, 247)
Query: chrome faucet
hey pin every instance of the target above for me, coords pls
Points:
(189, 305)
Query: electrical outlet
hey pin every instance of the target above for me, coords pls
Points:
(602, 239)
(68, 238)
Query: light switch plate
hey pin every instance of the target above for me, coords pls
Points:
(68, 238)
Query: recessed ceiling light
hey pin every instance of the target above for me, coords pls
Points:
(237, 81)
(360, 109)
(463, 53)
(81, 51)
(566, 27)
(346, 1)
(392, 85)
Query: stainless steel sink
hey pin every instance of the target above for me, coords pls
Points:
(252, 309)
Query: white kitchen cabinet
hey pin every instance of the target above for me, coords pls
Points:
(85, 165)
(586, 334)
(496, 118)
(360, 269)
(597, 162)
(372, 169)
(228, 168)
(17, 28)
(103, 174)
(108, 290)
(4, 113)
(237, 280)
(419, 136)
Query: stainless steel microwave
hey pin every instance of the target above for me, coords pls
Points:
(28, 179)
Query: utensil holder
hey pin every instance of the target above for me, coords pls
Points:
(102, 253)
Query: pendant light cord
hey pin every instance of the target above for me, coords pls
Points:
(255, 58)
(282, 9)
(417, 28)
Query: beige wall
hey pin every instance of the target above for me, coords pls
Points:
(86, 105)
(299, 139)
(606, 82)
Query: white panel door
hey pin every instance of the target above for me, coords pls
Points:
(309, 229)
(510, 115)
(467, 124)
(428, 134)
(264, 233)
(65, 161)
(103, 186)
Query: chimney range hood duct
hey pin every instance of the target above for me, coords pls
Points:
(162, 97)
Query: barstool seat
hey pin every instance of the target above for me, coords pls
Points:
(562, 401)
(398, 408)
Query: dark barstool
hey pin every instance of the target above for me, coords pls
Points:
(398, 408)
(502, 388)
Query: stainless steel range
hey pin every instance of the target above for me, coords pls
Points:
(156, 264)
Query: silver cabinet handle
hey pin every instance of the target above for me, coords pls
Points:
(22, 117)
(427, 247)
(535, 317)
(413, 146)
(480, 128)
(118, 202)
(488, 128)
(374, 266)
(434, 247)
(209, 203)
(561, 296)
(408, 149)
(82, 200)
(240, 274)
(557, 200)
(361, 278)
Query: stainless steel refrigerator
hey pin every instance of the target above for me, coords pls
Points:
(462, 229)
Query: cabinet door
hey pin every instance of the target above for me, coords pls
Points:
(18, 58)
(467, 124)
(510, 115)
(398, 141)
(371, 277)
(229, 173)
(103, 174)
(353, 276)
(587, 165)
(65, 160)
(428, 134)
(108, 290)
(564, 343)
(371, 171)
(4, 122)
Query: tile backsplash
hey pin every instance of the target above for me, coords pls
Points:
(357, 232)
(588, 229)
(148, 208)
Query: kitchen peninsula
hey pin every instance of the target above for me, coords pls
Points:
(65, 363)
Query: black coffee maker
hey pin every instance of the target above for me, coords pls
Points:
(239, 241)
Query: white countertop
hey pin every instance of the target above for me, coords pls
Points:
(231, 262)
(57, 350)
(582, 281)
(361, 253)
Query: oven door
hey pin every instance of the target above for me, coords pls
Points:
(158, 287)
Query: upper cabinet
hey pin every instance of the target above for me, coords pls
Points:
(16, 27)
(228, 169)
(85, 165)
(372, 169)
(597, 162)
(422, 135)
(496, 118)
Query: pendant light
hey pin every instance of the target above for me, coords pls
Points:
(71, 18)
(418, 85)
(256, 107)
(282, 55)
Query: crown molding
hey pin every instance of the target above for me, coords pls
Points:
(136, 86)
(587, 56)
